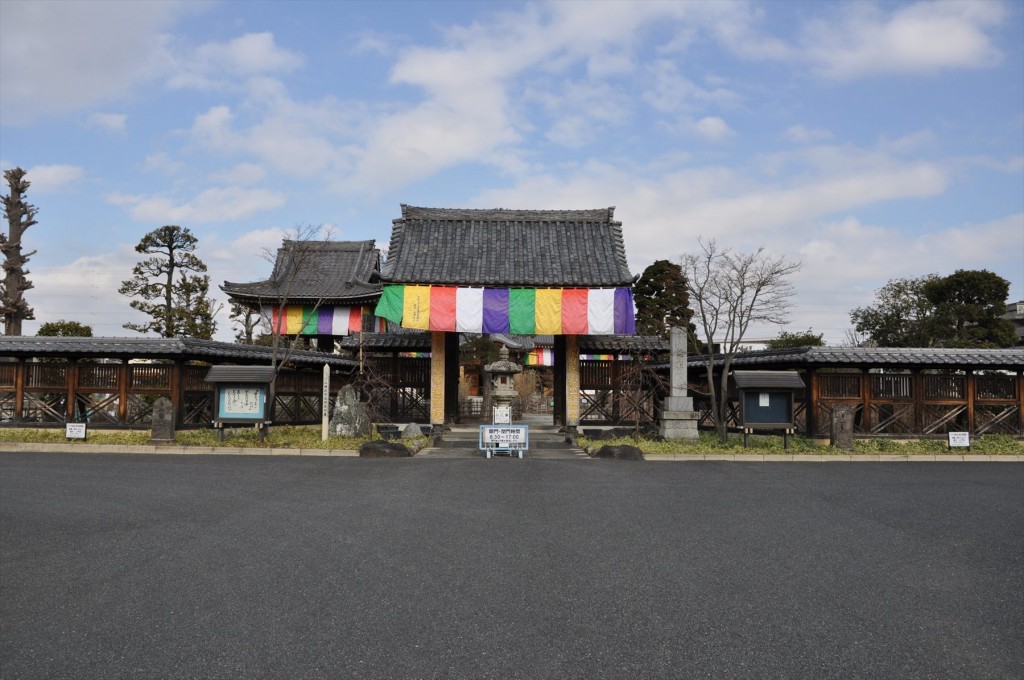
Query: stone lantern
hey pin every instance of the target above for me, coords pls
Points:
(503, 390)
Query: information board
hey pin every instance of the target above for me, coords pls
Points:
(242, 402)
(74, 430)
(502, 414)
(959, 439)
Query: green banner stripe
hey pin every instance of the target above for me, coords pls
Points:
(521, 306)
(391, 303)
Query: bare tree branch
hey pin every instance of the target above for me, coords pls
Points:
(730, 292)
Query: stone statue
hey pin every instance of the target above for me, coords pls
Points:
(350, 418)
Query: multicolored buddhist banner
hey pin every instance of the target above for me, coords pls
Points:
(521, 311)
(324, 320)
(539, 357)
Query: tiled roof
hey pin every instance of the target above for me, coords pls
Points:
(922, 357)
(768, 380)
(155, 348)
(530, 248)
(603, 344)
(332, 271)
(413, 341)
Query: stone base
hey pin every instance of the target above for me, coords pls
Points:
(679, 425)
(678, 404)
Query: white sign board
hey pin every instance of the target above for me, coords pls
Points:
(503, 436)
(503, 414)
(764, 400)
(74, 430)
(960, 439)
(243, 401)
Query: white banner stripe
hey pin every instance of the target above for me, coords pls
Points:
(339, 321)
(601, 311)
(469, 310)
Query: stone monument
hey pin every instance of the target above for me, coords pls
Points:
(349, 418)
(678, 419)
(163, 422)
(842, 427)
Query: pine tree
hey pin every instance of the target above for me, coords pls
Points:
(176, 300)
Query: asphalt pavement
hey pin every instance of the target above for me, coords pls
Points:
(118, 566)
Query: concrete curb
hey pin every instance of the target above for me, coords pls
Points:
(839, 457)
(24, 447)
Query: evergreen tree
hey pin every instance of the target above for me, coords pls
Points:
(787, 340)
(246, 320)
(959, 310)
(662, 300)
(20, 216)
(64, 329)
(902, 315)
(968, 305)
(170, 286)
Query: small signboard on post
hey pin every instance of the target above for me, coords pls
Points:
(75, 431)
(959, 440)
(502, 414)
(504, 439)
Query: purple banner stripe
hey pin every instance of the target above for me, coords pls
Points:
(495, 310)
(324, 320)
(625, 319)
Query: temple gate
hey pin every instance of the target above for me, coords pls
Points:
(522, 272)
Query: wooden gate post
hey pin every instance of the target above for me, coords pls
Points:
(437, 379)
(572, 381)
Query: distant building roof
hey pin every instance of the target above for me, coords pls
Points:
(528, 248)
(25, 347)
(333, 272)
(877, 357)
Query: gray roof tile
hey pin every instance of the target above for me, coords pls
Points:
(332, 271)
(921, 357)
(155, 348)
(768, 380)
(534, 248)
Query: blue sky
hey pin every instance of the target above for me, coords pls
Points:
(868, 140)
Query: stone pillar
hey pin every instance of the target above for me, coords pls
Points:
(572, 381)
(437, 375)
(678, 419)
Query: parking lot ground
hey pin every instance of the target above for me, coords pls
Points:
(234, 566)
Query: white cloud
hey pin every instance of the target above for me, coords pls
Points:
(713, 128)
(669, 91)
(85, 290)
(925, 37)
(909, 142)
(160, 161)
(247, 56)
(52, 177)
(111, 122)
(373, 42)
(243, 173)
(57, 57)
(805, 135)
(212, 205)
(304, 140)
